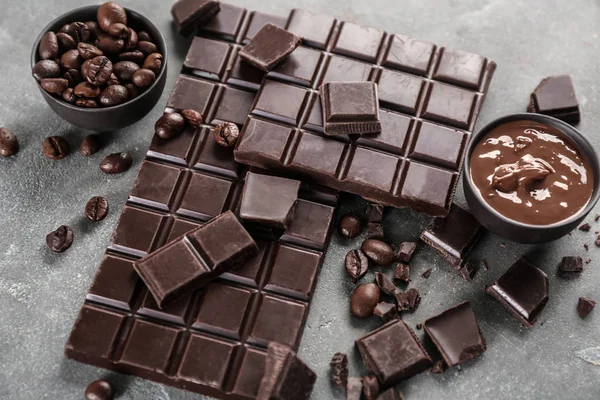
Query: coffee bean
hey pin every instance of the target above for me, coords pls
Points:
(90, 145)
(131, 40)
(60, 239)
(92, 27)
(48, 49)
(124, 70)
(64, 28)
(73, 76)
(79, 32)
(357, 264)
(69, 96)
(87, 90)
(153, 62)
(133, 90)
(55, 147)
(96, 208)
(226, 134)
(349, 226)
(379, 252)
(70, 60)
(143, 78)
(110, 13)
(99, 390)
(113, 80)
(109, 44)
(193, 117)
(87, 103)
(169, 125)
(54, 85)
(116, 163)
(9, 144)
(114, 95)
(118, 30)
(133, 56)
(385, 284)
(88, 51)
(65, 42)
(145, 37)
(97, 70)
(45, 69)
(364, 300)
(147, 48)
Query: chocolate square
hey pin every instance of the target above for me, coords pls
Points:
(234, 106)
(399, 91)
(381, 178)
(340, 69)
(191, 93)
(226, 23)
(270, 104)
(395, 130)
(251, 372)
(277, 320)
(207, 58)
(214, 158)
(438, 145)
(176, 150)
(269, 47)
(460, 68)
(294, 272)
(264, 140)
(314, 29)
(358, 41)
(174, 312)
(115, 283)
(155, 185)
(258, 19)
(423, 184)
(450, 105)
(407, 54)
(310, 226)
(300, 67)
(137, 232)
(181, 227)
(205, 197)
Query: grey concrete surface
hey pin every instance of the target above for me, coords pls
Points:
(41, 292)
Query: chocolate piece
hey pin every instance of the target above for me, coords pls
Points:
(350, 108)
(409, 300)
(189, 13)
(406, 251)
(370, 387)
(374, 212)
(339, 370)
(269, 47)
(426, 273)
(354, 389)
(269, 200)
(438, 367)
(523, 290)
(468, 271)
(349, 226)
(571, 266)
(419, 326)
(453, 236)
(195, 259)
(385, 284)
(377, 251)
(364, 300)
(584, 306)
(586, 247)
(555, 96)
(585, 227)
(386, 311)
(456, 334)
(99, 390)
(286, 377)
(375, 230)
(393, 353)
(402, 272)
(357, 264)
(391, 394)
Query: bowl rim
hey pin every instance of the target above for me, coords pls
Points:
(139, 98)
(569, 131)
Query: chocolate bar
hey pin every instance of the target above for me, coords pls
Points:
(555, 96)
(430, 98)
(269, 47)
(188, 13)
(196, 258)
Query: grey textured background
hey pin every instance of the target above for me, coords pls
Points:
(41, 292)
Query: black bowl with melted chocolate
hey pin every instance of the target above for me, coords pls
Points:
(531, 178)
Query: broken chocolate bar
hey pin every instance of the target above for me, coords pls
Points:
(269, 47)
(187, 14)
(555, 96)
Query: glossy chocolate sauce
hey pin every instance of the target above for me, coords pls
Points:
(531, 173)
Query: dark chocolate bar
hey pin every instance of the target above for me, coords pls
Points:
(555, 96)
(269, 47)
(189, 13)
(196, 258)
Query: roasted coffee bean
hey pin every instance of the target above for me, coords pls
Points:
(114, 95)
(226, 134)
(90, 145)
(60, 239)
(70, 60)
(87, 103)
(54, 85)
(116, 163)
(69, 96)
(110, 45)
(131, 40)
(169, 125)
(87, 90)
(99, 390)
(193, 117)
(45, 69)
(119, 30)
(88, 51)
(124, 70)
(113, 80)
(9, 144)
(73, 76)
(55, 147)
(133, 56)
(364, 300)
(379, 252)
(143, 78)
(48, 49)
(153, 62)
(144, 36)
(64, 28)
(357, 264)
(79, 32)
(93, 27)
(97, 70)
(133, 90)
(147, 48)
(65, 42)
(96, 208)
(110, 13)
(349, 226)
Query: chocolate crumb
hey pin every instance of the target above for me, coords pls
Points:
(597, 241)
(339, 370)
(438, 367)
(426, 273)
(468, 271)
(402, 272)
(586, 247)
(597, 217)
(409, 300)
(502, 245)
(588, 260)
(386, 311)
(419, 326)
(585, 227)
(584, 306)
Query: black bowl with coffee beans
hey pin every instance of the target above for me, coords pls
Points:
(100, 67)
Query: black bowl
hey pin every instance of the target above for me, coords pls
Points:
(106, 118)
(518, 231)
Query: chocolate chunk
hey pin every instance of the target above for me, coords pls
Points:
(96, 208)
(419, 326)
(269, 47)
(364, 300)
(386, 311)
(354, 389)
(349, 226)
(374, 212)
(350, 108)
(402, 272)
(385, 284)
(468, 271)
(406, 251)
(286, 377)
(391, 394)
(584, 306)
(570, 266)
(269, 200)
(456, 334)
(61, 239)
(377, 251)
(426, 273)
(357, 264)
(370, 387)
(586, 247)
(99, 390)
(375, 231)
(409, 300)
(555, 96)
(338, 370)
(453, 236)
(585, 227)
(187, 14)
(393, 353)
(438, 367)
(523, 290)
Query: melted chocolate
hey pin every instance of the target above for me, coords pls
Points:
(531, 173)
